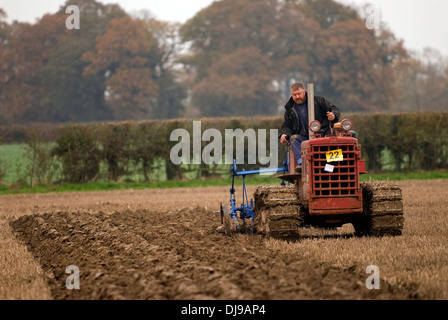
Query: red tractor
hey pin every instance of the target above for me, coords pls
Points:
(328, 192)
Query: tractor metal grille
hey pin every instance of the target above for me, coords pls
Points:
(343, 180)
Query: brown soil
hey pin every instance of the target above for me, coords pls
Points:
(177, 254)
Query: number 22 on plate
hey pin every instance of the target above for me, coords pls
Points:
(334, 155)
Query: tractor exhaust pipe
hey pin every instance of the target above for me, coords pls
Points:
(310, 91)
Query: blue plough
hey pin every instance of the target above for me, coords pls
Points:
(229, 215)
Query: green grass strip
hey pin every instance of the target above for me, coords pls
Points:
(250, 180)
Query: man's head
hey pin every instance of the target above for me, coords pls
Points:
(298, 93)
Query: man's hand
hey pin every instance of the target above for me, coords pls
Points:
(283, 139)
(330, 116)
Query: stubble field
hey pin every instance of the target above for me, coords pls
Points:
(162, 244)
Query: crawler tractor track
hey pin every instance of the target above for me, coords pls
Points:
(279, 212)
(383, 209)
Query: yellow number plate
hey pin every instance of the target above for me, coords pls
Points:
(335, 155)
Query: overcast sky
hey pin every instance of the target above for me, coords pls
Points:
(419, 23)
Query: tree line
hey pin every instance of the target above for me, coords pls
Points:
(233, 58)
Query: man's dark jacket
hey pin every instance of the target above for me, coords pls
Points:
(291, 124)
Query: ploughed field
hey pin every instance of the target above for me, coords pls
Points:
(163, 244)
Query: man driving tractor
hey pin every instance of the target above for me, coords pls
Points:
(295, 126)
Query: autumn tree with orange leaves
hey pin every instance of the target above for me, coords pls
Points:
(122, 55)
(25, 49)
(113, 68)
(319, 41)
(69, 95)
